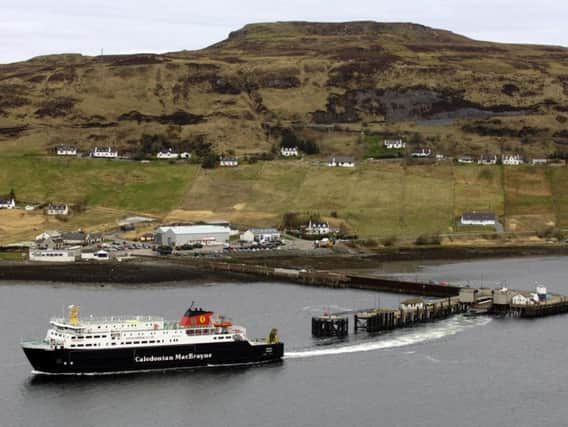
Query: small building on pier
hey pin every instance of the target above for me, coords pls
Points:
(412, 304)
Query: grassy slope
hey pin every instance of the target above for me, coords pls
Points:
(152, 188)
(376, 199)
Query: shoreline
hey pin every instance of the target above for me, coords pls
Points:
(131, 272)
(195, 270)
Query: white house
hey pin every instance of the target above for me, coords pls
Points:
(317, 228)
(412, 304)
(185, 155)
(57, 209)
(394, 144)
(229, 161)
(421, 152)
(66, 150)
(104, 153)
(539, 161)
(167, 154)
(7, 203)
(341, 161)
(512, 159)
(260, 235)
(289, 151)
(487, 159)
(478, 218)
(466, 159)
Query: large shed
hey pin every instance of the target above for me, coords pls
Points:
(179, 235)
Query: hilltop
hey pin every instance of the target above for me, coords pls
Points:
(325, 81)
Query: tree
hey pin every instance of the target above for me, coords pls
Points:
(12, 195)
(417, 139)
(209, 161)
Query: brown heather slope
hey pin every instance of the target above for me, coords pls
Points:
(328, 81)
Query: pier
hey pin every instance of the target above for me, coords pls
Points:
(472, 301)
(411, 311)
(330, 326)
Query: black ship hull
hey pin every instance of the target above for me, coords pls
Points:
(156, 358)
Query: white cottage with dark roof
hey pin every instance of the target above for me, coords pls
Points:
(229, 161)
(478, 218)
(66, 150)
(7, 203)
(289, 152)
(53, 209)
(104, 153)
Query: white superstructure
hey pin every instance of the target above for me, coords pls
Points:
(135, 331)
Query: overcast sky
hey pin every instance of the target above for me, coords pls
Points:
(37, 27)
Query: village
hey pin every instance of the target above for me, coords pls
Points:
(391, 149)
(210, 237)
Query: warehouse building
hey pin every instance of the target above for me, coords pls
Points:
(179, 235)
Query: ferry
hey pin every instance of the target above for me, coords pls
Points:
(124, 344)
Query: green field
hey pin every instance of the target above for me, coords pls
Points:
(376, 149)
(154, 188)
(374, 199)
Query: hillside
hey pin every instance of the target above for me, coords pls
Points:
(374, 199)
(327, 82)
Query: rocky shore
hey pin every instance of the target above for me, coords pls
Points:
(199, 270)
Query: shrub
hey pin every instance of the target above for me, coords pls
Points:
(369, 243)
(209, 161)
(550, 232)
(428, 239)
(389, 241)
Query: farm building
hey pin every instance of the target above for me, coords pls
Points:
(229, 161)
(260, 235)
(66, 150)
(478, 218)
(289, 151)
(341, 161)
(167, 154)
(104, 153)
(487, 159)
(179, 235)
(421, 152)
(57, 209)
(512, 160)
(394, 144)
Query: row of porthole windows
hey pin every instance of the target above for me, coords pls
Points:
(221, 338)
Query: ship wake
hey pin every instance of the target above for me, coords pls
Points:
(404, 338)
